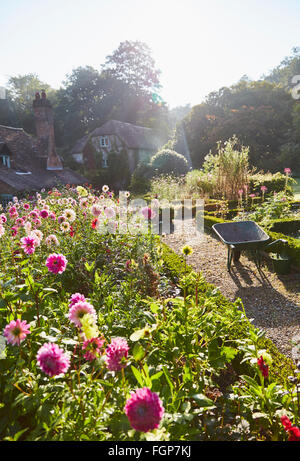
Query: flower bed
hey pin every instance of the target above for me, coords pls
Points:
(104, 339)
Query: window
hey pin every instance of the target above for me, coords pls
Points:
(104, 160)
(5, 160)
(104, 141)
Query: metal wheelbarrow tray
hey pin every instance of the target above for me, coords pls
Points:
(243, 235)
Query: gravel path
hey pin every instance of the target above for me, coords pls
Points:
(272, 301)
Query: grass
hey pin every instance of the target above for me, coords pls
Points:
(296, 188)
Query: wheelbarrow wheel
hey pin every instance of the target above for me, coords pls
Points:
(236, 255)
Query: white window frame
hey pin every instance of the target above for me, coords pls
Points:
(5, 160)
(104, 141)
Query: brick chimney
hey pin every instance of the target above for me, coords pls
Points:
(44, 126)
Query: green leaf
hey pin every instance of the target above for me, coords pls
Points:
(138, 352)
(137, 375)
(89, 267)
(203, 401)
(154, 308)
(171, 386)
(138, 334)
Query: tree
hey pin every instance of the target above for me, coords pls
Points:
(82, 104)
(259, 113)
(287, 69)
(133, 64)
(21, 92)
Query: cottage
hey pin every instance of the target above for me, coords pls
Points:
(29, 163)
(139, 142)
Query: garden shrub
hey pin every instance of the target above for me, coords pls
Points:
(274, 183)
(140, 179)
(168, 161)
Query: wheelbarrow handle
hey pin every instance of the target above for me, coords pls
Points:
(276, 241)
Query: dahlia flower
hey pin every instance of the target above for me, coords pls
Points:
(37, 235)
(56, 263)
(144, 410)
(78, 310)
(148, 213)
(28, 244)
(96, 210)
(70, 215)
(109, 212)
(61, 219)
(88, 326)
(93, 348)
(16, 331)
(44, 214)
(65, 226)
(51, 240)
(52, 360)
(116, 354)
(76, 298)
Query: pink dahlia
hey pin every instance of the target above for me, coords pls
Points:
(28, 244)
(33, 214)
(287, 170)
(44, 214)
(14, 231)
(51, 240)
(56, 263)
(16, 331)
(78, 310)
(12, 210)
(93, 348)
(144, 410)
(61, 219)
(75, 298)
(116, 354)
(263, 188)
(52, 360)
(148, 213)
(3, 218)
(109, 212)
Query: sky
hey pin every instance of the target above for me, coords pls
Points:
(198, 45)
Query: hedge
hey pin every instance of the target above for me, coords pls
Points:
(282, 366)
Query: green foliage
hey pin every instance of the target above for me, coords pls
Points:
(168, 161)
(167, 187)
(140, 179)
(259, 113)
(274, 182)
(175, 265)
(274, 207)
(201, 183)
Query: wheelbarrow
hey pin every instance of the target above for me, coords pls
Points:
(243, 235)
